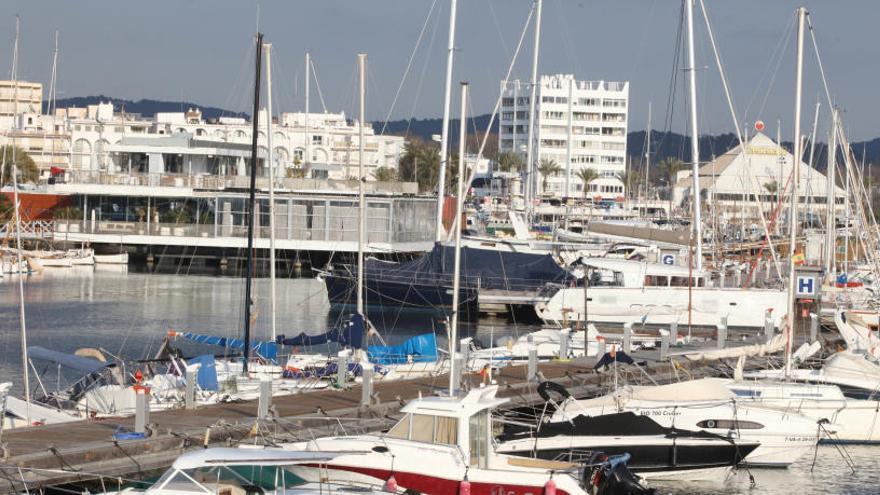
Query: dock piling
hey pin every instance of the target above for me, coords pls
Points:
(142, 410)
(563, 343)
(664, 344)
(768, 325)
(190, 397)
(532, 370)
(722, 333)
(814, 327)
(265, 398)
(673, 332)
(341, 368)
(366, 384)
(627, 337)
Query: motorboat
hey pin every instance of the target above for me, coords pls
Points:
(111, 259)
(707, 404)
(626, 291)
(657, 452)
(439, 444)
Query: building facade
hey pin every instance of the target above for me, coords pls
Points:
(579, 124)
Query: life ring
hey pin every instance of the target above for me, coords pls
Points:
(544, 389)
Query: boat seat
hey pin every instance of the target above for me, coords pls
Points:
(528, 462)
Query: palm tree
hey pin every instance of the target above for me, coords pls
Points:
(587, 175)
(546, 168)
(509, 161)
(27, 169)
(630, 180)
(670, 167)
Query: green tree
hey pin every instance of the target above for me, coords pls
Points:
(772, 187)
(385, 174)
(27, 169)
(508, 161)
(420, 163)
(587, 176)
(670, 168)
(547, 168)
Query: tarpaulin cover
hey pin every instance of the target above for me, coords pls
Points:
(484, 268)
(422, 348)
(82, 364)
(352, 335)
(207, 374)
(268, 350)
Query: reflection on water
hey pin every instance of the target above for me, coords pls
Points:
(128, 314)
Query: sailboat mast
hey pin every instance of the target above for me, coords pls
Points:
(648, 158)
(308, 137)
(695, 137)
(830, 198)
(252, 205)
(21, 314)
(270, 158)
(531, 169)
(362, 204)
(459, 207)
(795, 179)
(444, 136)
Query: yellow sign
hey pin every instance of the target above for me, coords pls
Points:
(766, 150)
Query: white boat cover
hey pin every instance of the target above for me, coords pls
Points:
(775, 345)
(39, 412)
(700, 390)
(847, 364)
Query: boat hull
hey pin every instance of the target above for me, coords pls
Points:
(342, 291)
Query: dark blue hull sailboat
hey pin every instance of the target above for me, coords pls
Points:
(426, 282)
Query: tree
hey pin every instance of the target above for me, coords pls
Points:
(27, 169)
(508, 161)
(771, 186)
(631, 179)
(385, 174)
(546, 168)
(420, 163)
(670, 167)
(587, 175)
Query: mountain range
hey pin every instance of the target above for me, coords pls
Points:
(663, 144)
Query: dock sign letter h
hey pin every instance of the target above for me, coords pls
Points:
(805, 285)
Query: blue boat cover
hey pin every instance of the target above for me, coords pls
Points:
(267, 350)
(207, 374)
(484, 268)
(352, 335)
(422, 348)
(82, 364)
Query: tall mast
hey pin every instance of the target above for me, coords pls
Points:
(362, 204)
(52, 92)
(795, 179)
(308, 154)
(252, 205)
(830, 198)
(648, 159)
(695, 136)
(270, 158)
(531, 174)
(459, 205)
(21, 315)
(444, 140)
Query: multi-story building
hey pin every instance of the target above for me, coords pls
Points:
(578, 125)
(28, 94)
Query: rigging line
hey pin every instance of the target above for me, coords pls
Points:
(819, 62)
(566, 36)
(412, 58)
(779, 45)
(422, 76)
(772, 81)
(317, 83)
(498, 28)
(673, 83)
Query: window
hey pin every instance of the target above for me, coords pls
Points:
(506, 115)
(445, 430)
(728, 424)
(590, 102)
(319, 140)
(613, 103)
(507, 101)
(478, 431)
(401, 429)
(422, 429)
(522, 115)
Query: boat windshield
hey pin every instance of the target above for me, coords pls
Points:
(223, 480)
(426, 428)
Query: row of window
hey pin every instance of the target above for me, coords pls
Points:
(508, 101)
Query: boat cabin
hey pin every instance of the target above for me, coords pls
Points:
(640, 274)
(464, 422)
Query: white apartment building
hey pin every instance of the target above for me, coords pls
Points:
(28, 94)
(579, 124)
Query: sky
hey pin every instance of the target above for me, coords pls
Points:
(202, 51)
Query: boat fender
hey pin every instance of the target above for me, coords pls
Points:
(545, 388)
(464, 488)
(391, 484)
(550, 487)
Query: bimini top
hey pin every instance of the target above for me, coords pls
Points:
(84, 365)
(250, 457)
(475, 401)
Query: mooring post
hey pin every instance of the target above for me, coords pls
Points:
(722, 333)
(563, 343)
(141, 410)
(600, 348)
(458, 369)
(342, 368)
(464, 347)
(814, 327)
(265, 398)
(664, 344)
(673, 333)
(366, 384)
(768, 325)
(191, 374)
(627, 337)
(532, 371)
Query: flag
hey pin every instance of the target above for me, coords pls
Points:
(798, 258)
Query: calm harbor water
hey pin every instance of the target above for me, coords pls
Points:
(128, 315)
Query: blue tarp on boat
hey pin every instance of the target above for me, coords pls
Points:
(352, 335)
(207, 374)
(267, 350)
(422, 348)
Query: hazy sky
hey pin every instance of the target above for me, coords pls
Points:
(200, 50)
